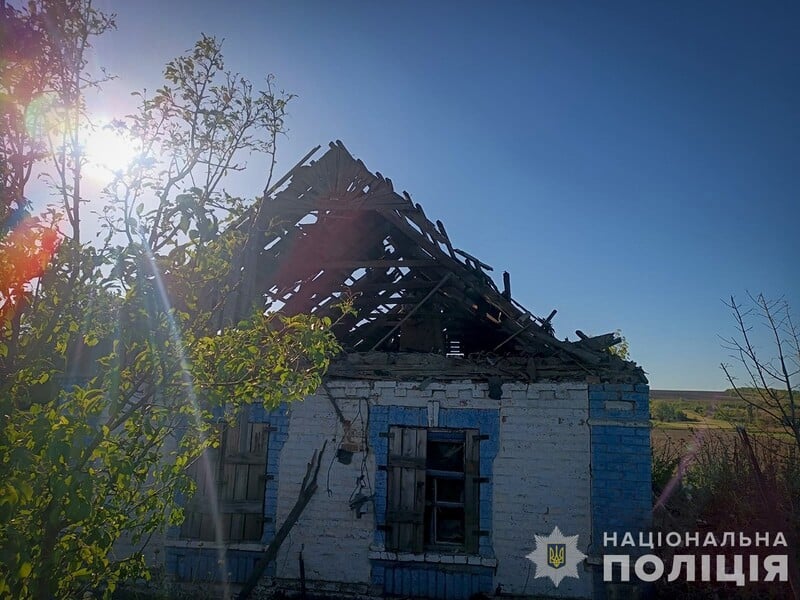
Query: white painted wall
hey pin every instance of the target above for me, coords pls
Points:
(541, 478)
(335, 542)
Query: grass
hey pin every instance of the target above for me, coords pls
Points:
(714, 411)
(706, 413)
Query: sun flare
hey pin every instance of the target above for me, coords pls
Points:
(108, 151)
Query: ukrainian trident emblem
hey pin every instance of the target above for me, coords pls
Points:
(556, 554)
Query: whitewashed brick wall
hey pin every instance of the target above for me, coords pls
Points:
(335, 543)
(541, 478)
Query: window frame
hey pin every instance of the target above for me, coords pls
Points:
(410, 513)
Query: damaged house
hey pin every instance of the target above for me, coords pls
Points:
(453, 428)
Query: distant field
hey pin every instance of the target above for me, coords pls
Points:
(700, 396)
(684, 415)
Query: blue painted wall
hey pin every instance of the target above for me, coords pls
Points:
(621, 463)
(200, 565)
(446, 582)
(622, 497)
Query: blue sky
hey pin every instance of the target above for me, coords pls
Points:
(631, 164)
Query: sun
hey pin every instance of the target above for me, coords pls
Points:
(108, 150)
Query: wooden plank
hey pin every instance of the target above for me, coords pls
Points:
(406, 489)
(380, 264)
(471, 258)
(241, 506)
(256, 480)
(413, 310)
(408, 485)
(406, 516)
(390, 288)
(421, 450)
(240, 482)
(253, 527)
(394, 487)
(407, 462)
(259, 439)
(471, 490)
(236, 529)
(206, 530)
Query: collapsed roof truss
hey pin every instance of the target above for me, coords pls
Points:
(334, 231)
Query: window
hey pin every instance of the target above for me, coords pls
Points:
(432, 490)
(236, 474)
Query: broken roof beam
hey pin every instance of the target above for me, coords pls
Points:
(598, 342)
(412, 311)
(357, 263)
(416, 255)
(443, 231)
(476, 261)
(566, 347)
(433, 249)
(401, 285)
(416, 215)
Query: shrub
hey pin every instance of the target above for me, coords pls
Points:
(668, 412)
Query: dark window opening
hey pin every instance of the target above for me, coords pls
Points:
(432, 491)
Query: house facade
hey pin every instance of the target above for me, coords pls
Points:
(453, 429)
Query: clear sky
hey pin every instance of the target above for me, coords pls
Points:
(629, 163)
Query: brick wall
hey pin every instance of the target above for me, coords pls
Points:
(570, 455)
(334, 541)
(536, 459)
(541, 481)
(621, 487)
(621, 464)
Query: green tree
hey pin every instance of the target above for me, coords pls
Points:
(621, 349)
(116, 365)
(668, 412)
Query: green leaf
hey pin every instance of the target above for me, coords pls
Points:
(25, 570)
(58, 450)
(25, 489)
(78, 509)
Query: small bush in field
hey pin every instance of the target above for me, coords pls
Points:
(668, 412)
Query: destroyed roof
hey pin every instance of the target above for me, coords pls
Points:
(333, 230)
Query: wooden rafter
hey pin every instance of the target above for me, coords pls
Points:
(332, 229)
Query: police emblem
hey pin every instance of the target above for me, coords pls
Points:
(556, 556)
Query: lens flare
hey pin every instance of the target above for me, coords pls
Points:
(25, 254)
(191, 396)
(108, 150)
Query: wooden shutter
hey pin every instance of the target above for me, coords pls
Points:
(405, 511)
(472, 491)
(198, 523)
(238, 480)
(242, 480)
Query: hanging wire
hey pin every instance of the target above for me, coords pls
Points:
(328, 489)
(362, 492)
